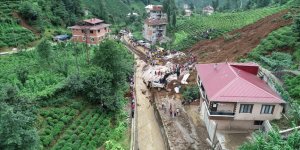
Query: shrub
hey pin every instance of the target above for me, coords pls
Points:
(191, 93)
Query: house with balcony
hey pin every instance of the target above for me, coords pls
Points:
(155, 25)
(235, 97)
(90, 31)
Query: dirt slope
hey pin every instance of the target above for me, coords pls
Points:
(218, 50)
(24, 24)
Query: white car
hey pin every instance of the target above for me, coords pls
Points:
(141, 42)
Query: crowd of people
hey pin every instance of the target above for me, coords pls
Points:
(174, 112)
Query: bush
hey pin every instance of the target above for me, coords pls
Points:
(29, 11)
(191, 93)
(113, 145)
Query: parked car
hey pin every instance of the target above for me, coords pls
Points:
(123, 32)
(60, 38)
(141, 42)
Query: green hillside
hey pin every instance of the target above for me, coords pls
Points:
(45, 87)
(190, 30)
(12, 34)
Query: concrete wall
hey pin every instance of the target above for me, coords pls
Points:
(256, 115)
(150, 32)
(236, 125)
(211, 125)
(147, 32)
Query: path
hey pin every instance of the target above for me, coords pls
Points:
(149, 135)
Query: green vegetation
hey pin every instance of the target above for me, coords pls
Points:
(70, 103)
(279, 52)
(191, 93)
(12, 34)
(190, 31)
(273, 140)
(169, 8)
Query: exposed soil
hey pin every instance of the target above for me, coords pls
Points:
(185, 131)
(24, 24)
(218, 50)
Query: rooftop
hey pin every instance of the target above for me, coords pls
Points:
(235, 82)
(93, 21)
(154, 7)
(96, 27)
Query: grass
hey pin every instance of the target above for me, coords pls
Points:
(190, 31)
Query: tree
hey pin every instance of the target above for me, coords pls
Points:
(191, 93)
(114, 58)
(263, 3)
(215, 4)
(29, 11)
(75, 84)
(98, 88)
(169, 8)
(296, 26)
(44, 50)
(17, 120)
(16, 130)
(22, 74)
(174, 20)
(100, 9)
(192, 6)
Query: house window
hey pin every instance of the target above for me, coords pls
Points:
(246, 108)
(98, 30)
(267, 109)
(82, 31)
(258, 122)
(83, 38)
(91, 31)
(92, 39)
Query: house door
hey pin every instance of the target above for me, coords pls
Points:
(214, 107)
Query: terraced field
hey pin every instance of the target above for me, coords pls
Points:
(11, 33)
(77, 126)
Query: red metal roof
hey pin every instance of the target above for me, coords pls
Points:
(93, 21)
(235, 82)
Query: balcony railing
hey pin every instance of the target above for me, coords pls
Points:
(222, 113)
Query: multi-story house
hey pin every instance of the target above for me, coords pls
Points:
(90, 31)
(155, 26)
(235, 97)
